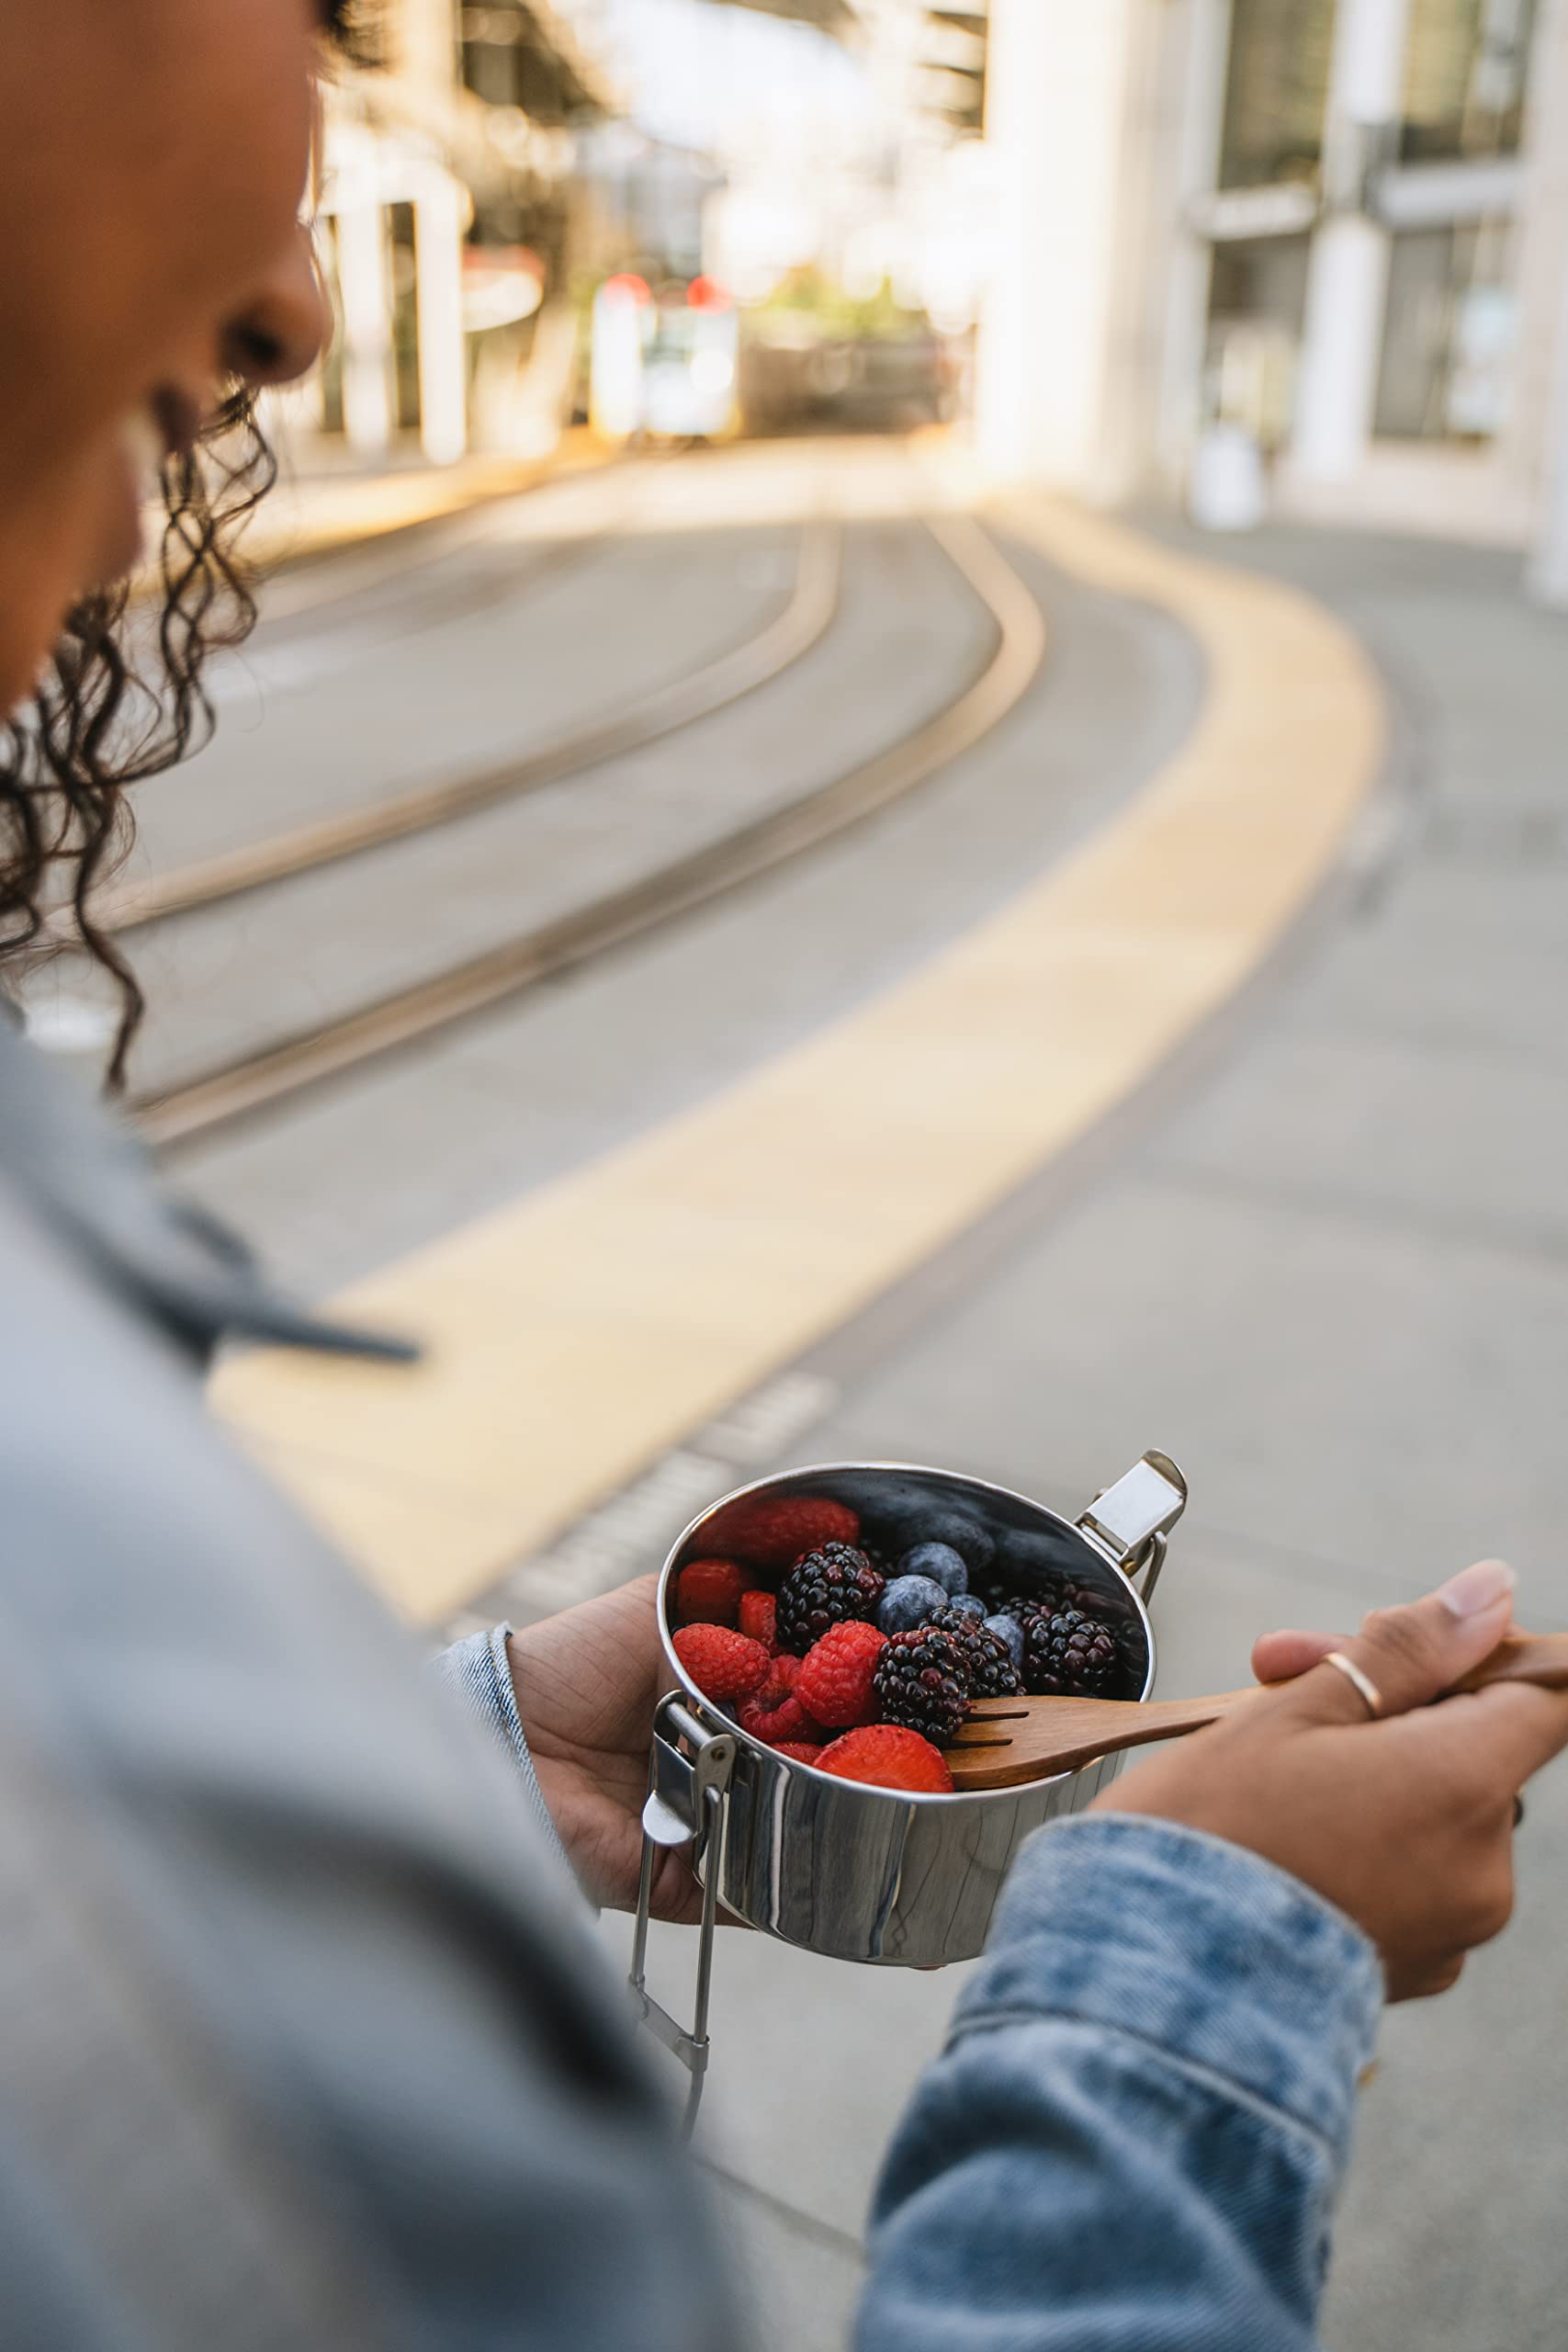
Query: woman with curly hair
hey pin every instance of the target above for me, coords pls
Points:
(305, 2043)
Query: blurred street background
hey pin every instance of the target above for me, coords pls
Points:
(902, 794)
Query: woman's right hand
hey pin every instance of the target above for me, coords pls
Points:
(1405, 1823)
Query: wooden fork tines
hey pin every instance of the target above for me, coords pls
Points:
(1005, 1741)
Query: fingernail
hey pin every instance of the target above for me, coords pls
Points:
(1478, 1589)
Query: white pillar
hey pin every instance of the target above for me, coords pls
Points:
(443, 357)
(1198, 102)
(1347, 279)
(364, 281)
(1549, 565)
(426, 34)
(1055, 127)
(1538, 424)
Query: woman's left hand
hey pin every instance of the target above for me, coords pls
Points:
(587, 1684)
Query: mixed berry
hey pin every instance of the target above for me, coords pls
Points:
(863, 1658)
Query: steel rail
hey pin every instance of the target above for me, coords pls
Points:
(738, 672)
(260, 1080)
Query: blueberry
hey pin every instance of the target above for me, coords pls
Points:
(907, 1602)
(1008, 1630)
(940, 1562)
(968, 1605)
(972, 1541)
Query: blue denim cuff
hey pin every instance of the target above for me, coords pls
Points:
(1194, 1945)
(478, 1670)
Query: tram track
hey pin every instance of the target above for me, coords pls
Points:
(740, 670)
(273, 1074)
(306, 646)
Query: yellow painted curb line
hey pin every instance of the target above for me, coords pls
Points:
(576, 1334)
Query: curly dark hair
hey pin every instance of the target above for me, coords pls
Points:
(122, 702)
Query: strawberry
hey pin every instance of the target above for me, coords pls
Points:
(889, 1758)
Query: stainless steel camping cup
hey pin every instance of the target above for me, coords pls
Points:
(856, 1872)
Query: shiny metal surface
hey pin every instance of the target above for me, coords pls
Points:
(869, 1874)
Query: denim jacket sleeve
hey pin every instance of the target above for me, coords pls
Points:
(1136, 2137)
(476, 1670)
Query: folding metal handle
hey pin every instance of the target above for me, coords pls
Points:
(688, 1804)
(1128, 1524)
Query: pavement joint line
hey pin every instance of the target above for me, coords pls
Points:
(793, 2217)
(580, 1334)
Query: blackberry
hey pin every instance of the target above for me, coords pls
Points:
(922, 1683)
(1009, 1633)
(1023, 1606)
(987, 1660)
(825, 1587)
(1070, 1655)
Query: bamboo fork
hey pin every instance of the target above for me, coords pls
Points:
(1005, 1741)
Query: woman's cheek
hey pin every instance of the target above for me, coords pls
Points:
(54, 548)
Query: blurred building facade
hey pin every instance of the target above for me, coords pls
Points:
(445, 215)
(1341, 225)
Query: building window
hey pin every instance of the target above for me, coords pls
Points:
(1465, 79)
(1276, 88)
(1449, 335)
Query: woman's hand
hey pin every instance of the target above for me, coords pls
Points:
(1406, 1823)
(587, 1684)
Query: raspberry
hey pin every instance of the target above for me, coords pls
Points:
(783, 1673)
(773, 1530)
(922, 1683)
(723, 1665)
(1069, 1655)
(827, 1587)
(788, 1721)
(707, 1593)
(988, 1658)
(759, 1618)
(837, 1674)
(888, 1756)
(798, 1750)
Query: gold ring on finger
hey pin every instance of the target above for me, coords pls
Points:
(1359, 1681)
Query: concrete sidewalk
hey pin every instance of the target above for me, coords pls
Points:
(1328, 1271)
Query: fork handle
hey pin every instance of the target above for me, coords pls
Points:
(1538, 1658)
